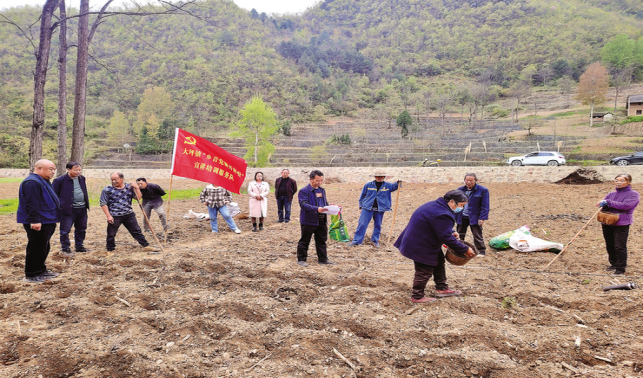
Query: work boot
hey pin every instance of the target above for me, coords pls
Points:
(82, 249)
(149, 248)
(254, 227)
(447, 293)
(302, 263)
(260, 226)
(610, 268)
(66, 252)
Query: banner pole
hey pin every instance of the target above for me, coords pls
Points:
(167, 213)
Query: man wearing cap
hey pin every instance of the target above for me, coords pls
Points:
(373, 202)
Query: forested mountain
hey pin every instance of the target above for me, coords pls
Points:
(338, 57)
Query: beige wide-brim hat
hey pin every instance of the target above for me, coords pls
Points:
(380, 174)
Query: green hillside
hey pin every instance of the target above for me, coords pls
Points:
(341, 57)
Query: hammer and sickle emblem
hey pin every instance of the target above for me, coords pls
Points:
(190, 140)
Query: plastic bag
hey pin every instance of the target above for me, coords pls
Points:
(233, 209)
(529, 243)
(502, 241)
(338, 230)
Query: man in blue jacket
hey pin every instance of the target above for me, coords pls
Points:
(312, 199)
(374, 201)
(430, 226)
(71, 189)
(475, 213)
(38, 211)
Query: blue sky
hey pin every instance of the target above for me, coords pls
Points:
(268, 6)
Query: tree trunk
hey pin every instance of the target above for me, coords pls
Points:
(256, 145)
(591, 115)
(615, 98)
(62, 92)
(40, 78)
(80, 93)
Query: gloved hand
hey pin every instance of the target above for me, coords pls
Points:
(603, 203)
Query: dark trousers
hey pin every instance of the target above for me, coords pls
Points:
(130, 223)
(616, 245)
(38, 247)
(423, 274)
(321, 235)
(283, 204)
(476, 230)
(77, 218)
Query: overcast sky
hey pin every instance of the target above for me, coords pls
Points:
(268, 6)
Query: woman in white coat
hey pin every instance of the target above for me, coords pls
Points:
(258, 191)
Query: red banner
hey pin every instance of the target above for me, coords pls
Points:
(199, 159)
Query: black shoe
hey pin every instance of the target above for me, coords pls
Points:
(618, 272)
(254, 227)
(81, 249)
(302, 263)
(288, 221)
(281, 221)
(111, 249)
(610, 268)
(260, 226)
(49, 274)
(66, 252)
(327, 262)
(35, 279)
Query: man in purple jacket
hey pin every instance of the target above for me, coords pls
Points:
(430, 226)
(312, 199)
(475, 212)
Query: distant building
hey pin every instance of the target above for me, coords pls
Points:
(634, 105)
(602, 116)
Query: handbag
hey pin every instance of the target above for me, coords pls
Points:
(338, 230)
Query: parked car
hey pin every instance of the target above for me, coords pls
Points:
(538, 158)
(636, 158)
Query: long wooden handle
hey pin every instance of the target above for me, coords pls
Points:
(149, 225)
(570, 242)
(397, 200)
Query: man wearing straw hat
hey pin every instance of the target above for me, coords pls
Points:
(374, 201)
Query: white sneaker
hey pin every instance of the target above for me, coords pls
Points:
(237, 231)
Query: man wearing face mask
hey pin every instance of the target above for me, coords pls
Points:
(430, 226)
(475, 212)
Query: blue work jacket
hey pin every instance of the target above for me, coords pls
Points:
(64, 188)
(430, 226)
(37, 201)
(370, 193)
(478, 204)
(308, 204)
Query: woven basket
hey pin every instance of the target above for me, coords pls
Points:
(607, 218)
(459, 259)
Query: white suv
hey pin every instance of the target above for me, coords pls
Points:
(538, 158)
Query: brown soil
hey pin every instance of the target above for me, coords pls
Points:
(218, 304)
(583, 176)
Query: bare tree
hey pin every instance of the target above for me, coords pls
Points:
(444, 99)
(546, 73)
(565, 83)
(621, 79)
(519, 90)
(62, 90)
(40, 78)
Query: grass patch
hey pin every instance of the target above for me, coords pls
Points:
(8, 206)
(509, 302)
(587, 163)
(631, 119)
(184, 194)
(565, 114)
(5, 180)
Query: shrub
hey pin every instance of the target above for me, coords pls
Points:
(631, 119)
(341, 139)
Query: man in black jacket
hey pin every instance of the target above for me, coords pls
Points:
(152, 200)
(285, 189)
(38, 211)
(71, 189)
